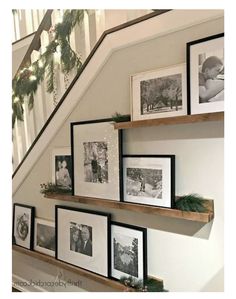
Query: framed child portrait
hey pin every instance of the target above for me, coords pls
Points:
(205, 74)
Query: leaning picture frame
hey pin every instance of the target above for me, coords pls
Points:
(205, 74)
(128, 251)
(83, 239)
(149, 180)
(44, 236)
(159, 93)
(23, 225)
(96, 159)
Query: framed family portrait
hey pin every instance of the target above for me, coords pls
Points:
(44, 236)
(96, 154)
(159, 93)
(83, 239)
(62, 168)
(205, 74)
(149, 179)
(128, 251)
(23, 225)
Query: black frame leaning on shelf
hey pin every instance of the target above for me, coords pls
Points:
(127, 236)
(196, 51)
(72, 226)
(96, 173)
(142, 171)
(23, 226)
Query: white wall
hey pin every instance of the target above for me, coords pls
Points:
(187, 255)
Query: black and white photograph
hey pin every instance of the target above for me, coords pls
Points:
(23, 228)
(96, 157)
(128, 251)
(83, 239)
(206, 74)
(44, 238)
(62, 168)
(149, 179)
(159, 93)
(96, 162)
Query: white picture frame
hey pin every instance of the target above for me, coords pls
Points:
(44, 237)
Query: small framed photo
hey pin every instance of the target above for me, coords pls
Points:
(205, 74)
(149, 179)
(44, 237)
(159, 93)
(23, 225)
(83, 239)
(62, 168)
(128, 251)
(96, 154)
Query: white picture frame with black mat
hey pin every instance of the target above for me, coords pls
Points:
(44, 236)
(128, 251)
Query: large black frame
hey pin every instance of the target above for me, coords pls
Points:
(144, 247)
(32, 209)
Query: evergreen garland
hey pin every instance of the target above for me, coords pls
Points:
(191, 203)
(50, 188)
(148, 285)
(117, 117)
(27, 80)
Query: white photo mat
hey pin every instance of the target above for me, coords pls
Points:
(44, 222)
(155, 74)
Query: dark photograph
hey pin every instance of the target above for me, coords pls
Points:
(45, 236)
(144, 182)
(126, 254)
(22, 226)
(81, 238)
(96, 162)
(162, 94)
(63, 168)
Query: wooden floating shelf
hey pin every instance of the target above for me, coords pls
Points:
(174, 213)
(186, 119)
(93, 276)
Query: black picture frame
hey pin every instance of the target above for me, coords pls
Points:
(137, 269)
(132, 170)
(196, 55)
(24, 237)
(97, 258)
(112, 188)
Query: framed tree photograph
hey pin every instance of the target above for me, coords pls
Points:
(62, 168)
(96, 156)
(23, 225)
(205, 74)
(149, 179)
(128, 251)
(159, 93)
(83, 239)
(44, 236)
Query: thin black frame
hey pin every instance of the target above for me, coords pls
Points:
(172, 178)
(188, 57)
(107, 215)
(120, 150)
(32, 208)
(144, 233)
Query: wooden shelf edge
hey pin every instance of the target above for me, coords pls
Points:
(93, 276)
(185, 119)
(174, 213)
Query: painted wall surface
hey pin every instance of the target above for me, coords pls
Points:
(187, 255)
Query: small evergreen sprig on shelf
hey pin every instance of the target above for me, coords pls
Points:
(117, 117)
(149, 285)
(53, 188)
(191, 203)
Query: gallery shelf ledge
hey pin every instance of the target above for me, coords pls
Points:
(140, 208)
(116, 285)
(186, 119)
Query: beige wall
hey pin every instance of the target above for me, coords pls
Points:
(187, 255)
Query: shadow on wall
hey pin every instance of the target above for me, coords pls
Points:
(216, 284)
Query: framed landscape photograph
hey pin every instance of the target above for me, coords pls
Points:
(83, 239)
(128, 251)
(159, 93)
(96, 154)
(149, 179)
(62, 168)
(205, 74)
(23, 225)
(44, 237)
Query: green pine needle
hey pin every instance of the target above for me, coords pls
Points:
(117, 117)
(50, 188)
(191, 202)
